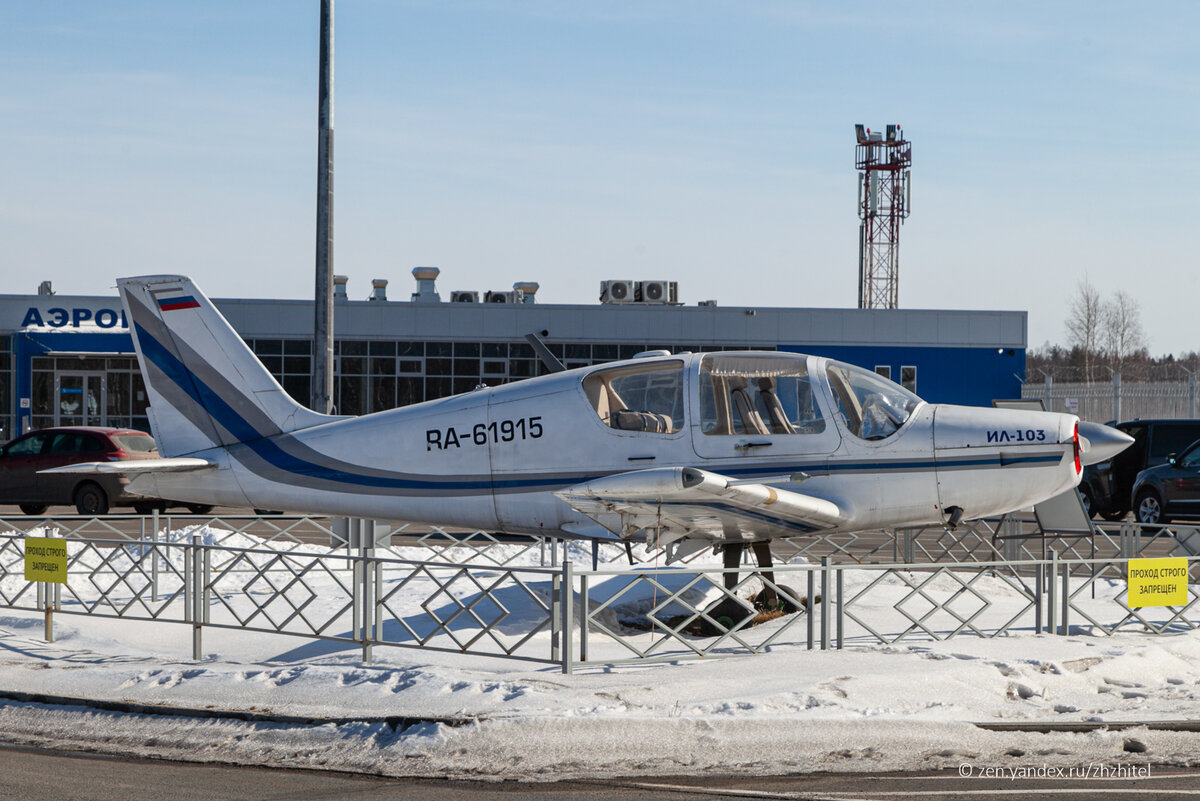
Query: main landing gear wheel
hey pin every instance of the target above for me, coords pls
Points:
(730, 613)
(32, 508)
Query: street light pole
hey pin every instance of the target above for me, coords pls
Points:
(322, 381)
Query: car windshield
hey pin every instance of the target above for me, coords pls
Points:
(135, 443)
(871, 407)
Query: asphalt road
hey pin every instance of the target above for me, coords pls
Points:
(38, 775)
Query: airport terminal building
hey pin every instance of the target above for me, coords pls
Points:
(69, 360)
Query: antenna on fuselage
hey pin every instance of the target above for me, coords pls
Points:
(549, 359)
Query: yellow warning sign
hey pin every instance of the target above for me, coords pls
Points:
(46, 559)
(1157, 582)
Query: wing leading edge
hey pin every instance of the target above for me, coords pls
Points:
(674, 503)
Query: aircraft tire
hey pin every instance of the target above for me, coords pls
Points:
(31, 508)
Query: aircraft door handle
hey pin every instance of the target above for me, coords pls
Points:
(748, 445)
(642, 458)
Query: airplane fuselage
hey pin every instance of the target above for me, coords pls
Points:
(493, 458)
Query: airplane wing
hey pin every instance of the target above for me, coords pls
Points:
(130, 466)
(674, 503)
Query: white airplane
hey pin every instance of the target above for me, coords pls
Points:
(694, 450)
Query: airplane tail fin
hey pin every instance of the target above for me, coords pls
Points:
(205, 386)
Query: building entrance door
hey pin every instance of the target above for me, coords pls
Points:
(80, 399)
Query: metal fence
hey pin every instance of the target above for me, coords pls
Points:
(576, 618)
(1116, 400)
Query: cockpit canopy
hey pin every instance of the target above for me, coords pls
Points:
(871, 406)
(757, 393)
(748, 394)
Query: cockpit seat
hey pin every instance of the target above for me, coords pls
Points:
(779, 420)
(629, 420)
(751, 421)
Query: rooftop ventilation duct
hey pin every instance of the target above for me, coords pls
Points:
(426, 285)
(527, 289)
(339, 287)
(378, 289)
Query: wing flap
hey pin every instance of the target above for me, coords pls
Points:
(678, 502)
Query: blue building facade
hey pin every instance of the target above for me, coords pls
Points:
(68, 360)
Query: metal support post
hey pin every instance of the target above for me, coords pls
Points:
(556, 583)
(584, 606)
(1038, 574)
(1052, 599)
(1116, 396)
(841, 619)
(825, 603)
(1066, 601)
(154, 554)
(198, 589)
(810, 612)
(189, 574)
(568, 611)
(1192, 395)
(369, 591)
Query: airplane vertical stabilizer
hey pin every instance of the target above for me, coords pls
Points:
(206, 387)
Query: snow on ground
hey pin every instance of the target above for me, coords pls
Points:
(907, 706)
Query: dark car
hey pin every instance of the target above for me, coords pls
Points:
(1169, 490)
(22, 483)
(1107, 487)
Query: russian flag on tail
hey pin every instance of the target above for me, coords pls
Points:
(181, 302)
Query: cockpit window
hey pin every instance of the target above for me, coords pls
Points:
(641, 397)
(757, 394)
(871, 406)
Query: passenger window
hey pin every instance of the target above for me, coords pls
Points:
(64, 443)
(642, 397)
(30, 446)
(871, 407)
(757, 394)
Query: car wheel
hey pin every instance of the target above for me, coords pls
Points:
(32, 508)
(90, 499)
(199, 508)
(1114, 515)
(1149, 508)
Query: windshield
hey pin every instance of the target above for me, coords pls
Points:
(757, 393)
(871, 407)
(134, 443)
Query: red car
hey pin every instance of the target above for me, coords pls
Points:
(22, 459)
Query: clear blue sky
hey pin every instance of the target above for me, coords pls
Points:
(565, 142)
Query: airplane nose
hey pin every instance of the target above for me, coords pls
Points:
(1100, 442)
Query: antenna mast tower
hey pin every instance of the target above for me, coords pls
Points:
(883, 163)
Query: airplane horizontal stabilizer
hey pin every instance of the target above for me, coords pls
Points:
(677, 502)
(176, 465)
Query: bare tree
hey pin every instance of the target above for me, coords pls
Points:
(1083, 323)
(1122, 334)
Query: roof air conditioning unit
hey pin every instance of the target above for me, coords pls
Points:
(463, 296)
(618, 292)
(660, 292)
(513, 296)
